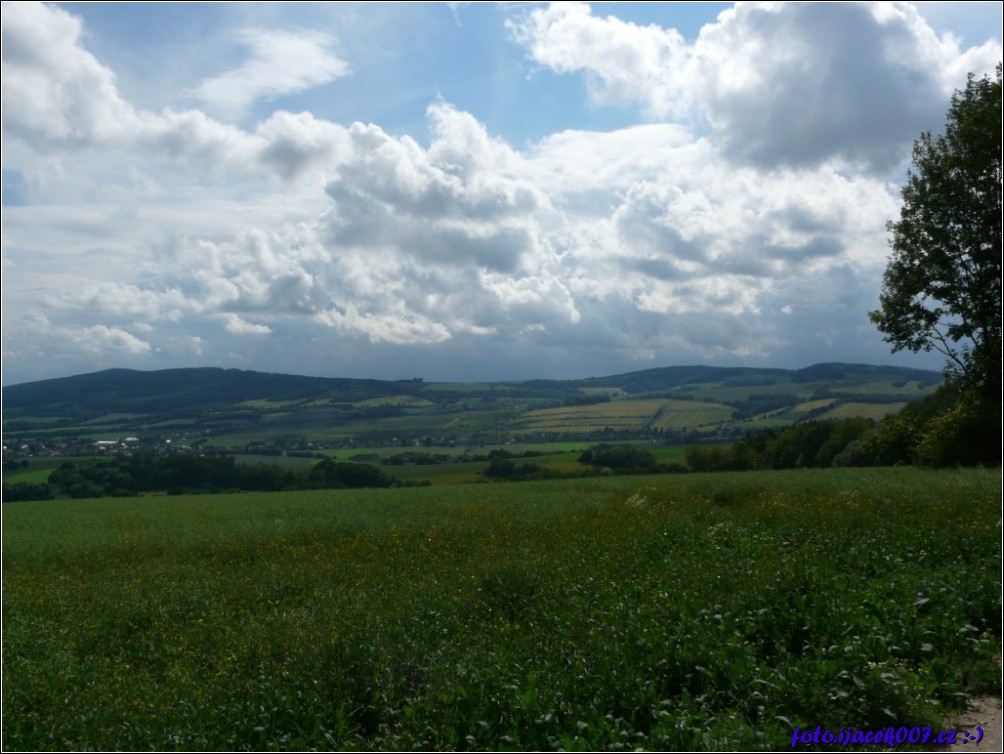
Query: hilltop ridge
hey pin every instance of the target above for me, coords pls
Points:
(183, 388)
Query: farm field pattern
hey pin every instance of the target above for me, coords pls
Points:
(233, 408)
(624, 415)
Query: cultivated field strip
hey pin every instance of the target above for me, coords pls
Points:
(623, 415)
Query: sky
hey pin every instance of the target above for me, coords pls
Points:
(462, 191)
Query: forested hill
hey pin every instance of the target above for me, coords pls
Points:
(663, 378)
(178, 390)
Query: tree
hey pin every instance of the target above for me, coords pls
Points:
(942, 286)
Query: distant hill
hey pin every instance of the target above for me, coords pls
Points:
(651, 380)
(171, 390)
(246, 404)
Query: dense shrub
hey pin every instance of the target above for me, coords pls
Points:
(13, 493)
(339, 474)
(505, 468)
(618, 457)
(183, 473)
(966, 434)
(951, 427)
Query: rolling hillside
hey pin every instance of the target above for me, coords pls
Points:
(235, 407)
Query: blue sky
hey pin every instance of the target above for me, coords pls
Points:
(461, 190)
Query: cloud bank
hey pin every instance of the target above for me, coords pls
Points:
(740, 220)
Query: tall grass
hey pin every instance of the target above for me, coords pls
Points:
(696, 612)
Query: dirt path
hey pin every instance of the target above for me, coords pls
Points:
(984, 712)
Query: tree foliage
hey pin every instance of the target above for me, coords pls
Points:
(188, 473)
(942, 286)
(618, 457)
(812, 444)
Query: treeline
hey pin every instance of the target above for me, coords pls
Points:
(178, 474)
(420, 458)
(946, 428)
(599, 459)
(502, 466)
(626, 459)
(812, 444)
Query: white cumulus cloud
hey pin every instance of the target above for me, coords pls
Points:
(744, 217)
(778, 83)
(100, 339)
(281, 62)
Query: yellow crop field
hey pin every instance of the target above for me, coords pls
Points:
(866, 410)
(807, 406)
(690, 414)
(619, 415)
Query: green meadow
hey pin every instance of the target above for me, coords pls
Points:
(614, 613)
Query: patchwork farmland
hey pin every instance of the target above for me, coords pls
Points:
(624, 416)
(251, 412)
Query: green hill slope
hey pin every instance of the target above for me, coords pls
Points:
(248, 406)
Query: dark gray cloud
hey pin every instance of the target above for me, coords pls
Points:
(802, 219)
(660, 269)
(817, 247)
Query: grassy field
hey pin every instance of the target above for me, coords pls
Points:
(911, 389)
(615, 613)
(38, 470)
(798, 391)
(29, 476)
